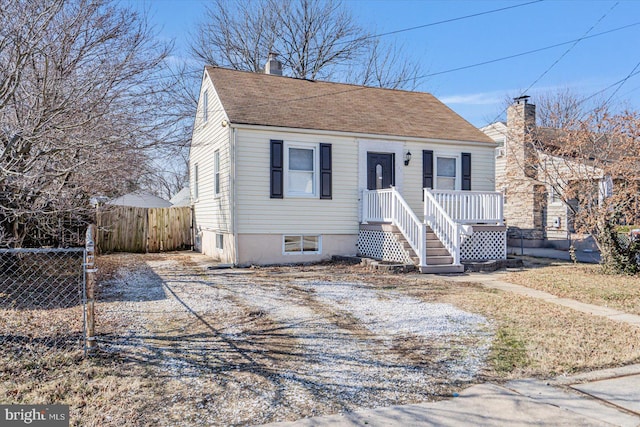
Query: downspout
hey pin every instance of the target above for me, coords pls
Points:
(234, 194)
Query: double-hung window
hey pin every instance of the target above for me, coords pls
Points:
(301, 168)
(446, 171)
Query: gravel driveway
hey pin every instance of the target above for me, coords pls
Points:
(251, 346)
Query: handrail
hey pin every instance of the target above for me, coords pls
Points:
(388, 205)
(447, 230)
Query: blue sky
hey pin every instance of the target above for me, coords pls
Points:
(478, 94)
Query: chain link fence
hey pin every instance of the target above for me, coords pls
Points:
(42, 302)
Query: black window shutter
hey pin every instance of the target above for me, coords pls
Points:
(277, 169)
(325, 171)
(427, 169)
(466, 171)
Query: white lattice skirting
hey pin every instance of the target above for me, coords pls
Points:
(484, 246)
(382, 245)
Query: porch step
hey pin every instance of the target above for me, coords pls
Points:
(440, 269)
(437, 251)
(434, 244)
(439, 260)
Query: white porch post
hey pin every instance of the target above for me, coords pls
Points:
(423, 244)
(394, 192)
(365, 206)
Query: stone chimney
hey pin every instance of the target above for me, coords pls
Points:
(525, 205)
(273, 66)
(521, 123)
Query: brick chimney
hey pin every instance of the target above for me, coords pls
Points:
(273, 66)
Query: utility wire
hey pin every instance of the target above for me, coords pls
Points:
(504, 58)
(444, 21)
(528, 52)
(633, 73)
(417, 27)
(573, 44)
(570, 48)
(623, 81)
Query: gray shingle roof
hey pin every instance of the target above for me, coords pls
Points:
(269, 100)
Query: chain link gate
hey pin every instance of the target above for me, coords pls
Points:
(42, 302)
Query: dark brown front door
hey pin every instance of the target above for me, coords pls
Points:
(380, 170)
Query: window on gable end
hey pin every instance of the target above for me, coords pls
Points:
(205, 106)
(195, 182)
(216, 171)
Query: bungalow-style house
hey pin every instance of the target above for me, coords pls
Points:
(286, 170)
(534, 212)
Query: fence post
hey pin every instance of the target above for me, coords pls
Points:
(90, 281)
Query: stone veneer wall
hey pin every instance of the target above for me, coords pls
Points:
(525, 200)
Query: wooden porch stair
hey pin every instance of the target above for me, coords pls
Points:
(439, 260)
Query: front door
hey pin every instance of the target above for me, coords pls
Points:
(380, 170)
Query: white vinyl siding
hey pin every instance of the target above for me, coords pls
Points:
(482, 168)
(212, 212)
(258, 213)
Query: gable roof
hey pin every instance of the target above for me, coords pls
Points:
(181, 198)
(270, 100)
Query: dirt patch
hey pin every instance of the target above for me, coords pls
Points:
(279, 344)
(184, 345)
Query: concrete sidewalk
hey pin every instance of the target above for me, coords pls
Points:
(603, 398)
(581, 256)
(493, 280)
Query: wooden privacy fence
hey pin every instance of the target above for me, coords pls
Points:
(132, 229)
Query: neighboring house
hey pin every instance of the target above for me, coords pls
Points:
(181, 198)
(286, 170)
(140, 200)
(534, 212)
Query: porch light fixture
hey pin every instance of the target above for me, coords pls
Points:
(407, 158)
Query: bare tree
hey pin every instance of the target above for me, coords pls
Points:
(315, 40)
(79, 105)
(591, 159)
(387, 66)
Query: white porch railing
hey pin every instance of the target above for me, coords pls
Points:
(388, 206)
(447, 230)
(471, 207)
(445, 212)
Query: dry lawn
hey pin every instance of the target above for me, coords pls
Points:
(582, 282)
(241, 365)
